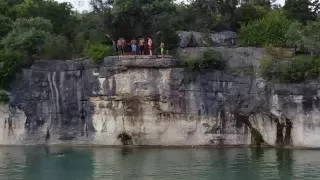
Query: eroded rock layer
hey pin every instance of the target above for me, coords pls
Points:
(154, 101)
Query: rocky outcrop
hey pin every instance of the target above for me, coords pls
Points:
(198, 39)
(154, 101)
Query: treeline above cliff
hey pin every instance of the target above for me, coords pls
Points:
(46, 29)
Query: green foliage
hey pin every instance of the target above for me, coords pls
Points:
(295, 70)
(266, 67)
(212, 15)
(279, 52)
(307, 36)
(5, 25)
(8, 9)
(28, 35)
(3, 97)
(270, 30)
(38, 23)
(130, 19)
(245, 71)
(34, 37)
(301, 68)
(9, 63)
(311, 37)
(210, 60)
(29, 42)
(59, 14)
(98, 51)
(294, 34)
(169, 37)
(248, 13)
(192, 63)
(55, 47)
(301, 10)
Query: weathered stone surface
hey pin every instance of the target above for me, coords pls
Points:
(199, 39)
(153, 101)
(239, 57)
(185, 38)
(224, 38)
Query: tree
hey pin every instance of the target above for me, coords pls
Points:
(59, 14)
(32, 36)
(169, 37)
(270, 30)
(5, 25)
(133, 18)
(248, 13)
(311, 37)
(10, 61)
(294, 35)
(301, 10)
(307, 36)
(265, 3)
(8, 9)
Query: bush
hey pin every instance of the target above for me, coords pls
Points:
(10, 62)
(266, 65)
(209, 60)
(55, 47)
(192, 63)
(301, 68)
(305, 37)
(269, 30)
(3, 97)
(169, 37)
(212, 59)
(279, 52)
(98, 51)
(295, 70)
(294, 35)
(5, 25)
(311, 37)
(247, 13)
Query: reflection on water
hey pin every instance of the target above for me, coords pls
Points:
(39, 163)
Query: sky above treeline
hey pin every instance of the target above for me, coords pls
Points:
(83, 5)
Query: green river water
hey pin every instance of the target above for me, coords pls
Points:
(40, 163)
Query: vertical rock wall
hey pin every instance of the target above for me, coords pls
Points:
(150, 101)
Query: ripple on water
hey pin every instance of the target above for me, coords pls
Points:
(155, 164)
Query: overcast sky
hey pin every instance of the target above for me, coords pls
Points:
(81, 5)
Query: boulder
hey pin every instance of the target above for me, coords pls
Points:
(199, 39)
(224, 38)
(185, 38)
(193, 39)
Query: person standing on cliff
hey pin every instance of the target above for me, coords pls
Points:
(162, 49)
(134, 47)
(141, 46)
(150, 46)
(120, 45)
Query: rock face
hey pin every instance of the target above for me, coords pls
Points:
(198, 39)
(153, 101)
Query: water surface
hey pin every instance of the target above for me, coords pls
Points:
(39, 163)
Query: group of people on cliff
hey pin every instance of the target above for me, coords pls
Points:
(139, 46)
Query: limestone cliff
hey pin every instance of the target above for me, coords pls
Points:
(149, 101)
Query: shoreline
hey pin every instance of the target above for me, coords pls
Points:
(70, 145)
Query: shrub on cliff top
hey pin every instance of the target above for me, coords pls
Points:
(10, 62)
(294, 70)
(3, 97)
(97, 52)
(269, 30)
(209, 60)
